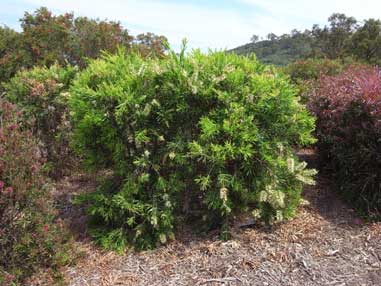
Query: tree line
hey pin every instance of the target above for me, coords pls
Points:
(343, 37)
(46, 39)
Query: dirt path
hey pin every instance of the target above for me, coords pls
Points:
(326, 244)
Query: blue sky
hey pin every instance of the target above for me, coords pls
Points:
(215, 24)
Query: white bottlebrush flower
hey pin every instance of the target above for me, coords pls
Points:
(279, 216)
(272, 196)
(305, 175)
(257, 213)
(141, 69)
(65, 94)
(161, 138)
(224, 194)
(172, 155)
(291, 165)
(163, 238)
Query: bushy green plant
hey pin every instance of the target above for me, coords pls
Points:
(348, 111)
(41, 94)
(313, 69)
(306, 73)
(29, 239)
(190, 133)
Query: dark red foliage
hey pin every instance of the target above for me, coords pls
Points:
(348, 110)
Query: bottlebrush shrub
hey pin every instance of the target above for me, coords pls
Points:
(207, 134)
(28, 238)
(41, 93)
(348, 110)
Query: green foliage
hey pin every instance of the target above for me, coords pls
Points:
(366, 42)
(342, 38)
(347, 107)
(280, 50)
(189, 132)
(29, 239)
(334, 41)
(41, 94)
(305, 73)
(312, 69)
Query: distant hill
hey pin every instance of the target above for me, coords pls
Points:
(279, 50)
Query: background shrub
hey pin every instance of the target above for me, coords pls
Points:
(41, 94)
(46, 39)
(207, 134)
(12, 55)
(313, 69)
(28, 238)
(305, 73)
(348, 110)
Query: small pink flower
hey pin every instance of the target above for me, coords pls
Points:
(1, 184)
(9, 277)
(12, 127)
(46, 228)
(9, 190)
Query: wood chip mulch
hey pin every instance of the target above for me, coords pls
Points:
(326, 244)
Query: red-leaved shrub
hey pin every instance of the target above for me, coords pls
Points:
(348, 110)
(29, 239)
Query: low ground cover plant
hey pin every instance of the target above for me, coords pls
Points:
(189, 135)
(348, 111)
(29, 238)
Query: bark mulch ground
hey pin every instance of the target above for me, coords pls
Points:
(326, 244)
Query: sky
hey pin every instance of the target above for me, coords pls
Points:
(214, 24)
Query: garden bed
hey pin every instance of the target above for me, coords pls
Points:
(326, 244)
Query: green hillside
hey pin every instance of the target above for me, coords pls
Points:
(279, 50)
(344, 37)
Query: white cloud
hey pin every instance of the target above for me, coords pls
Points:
(220, 27)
